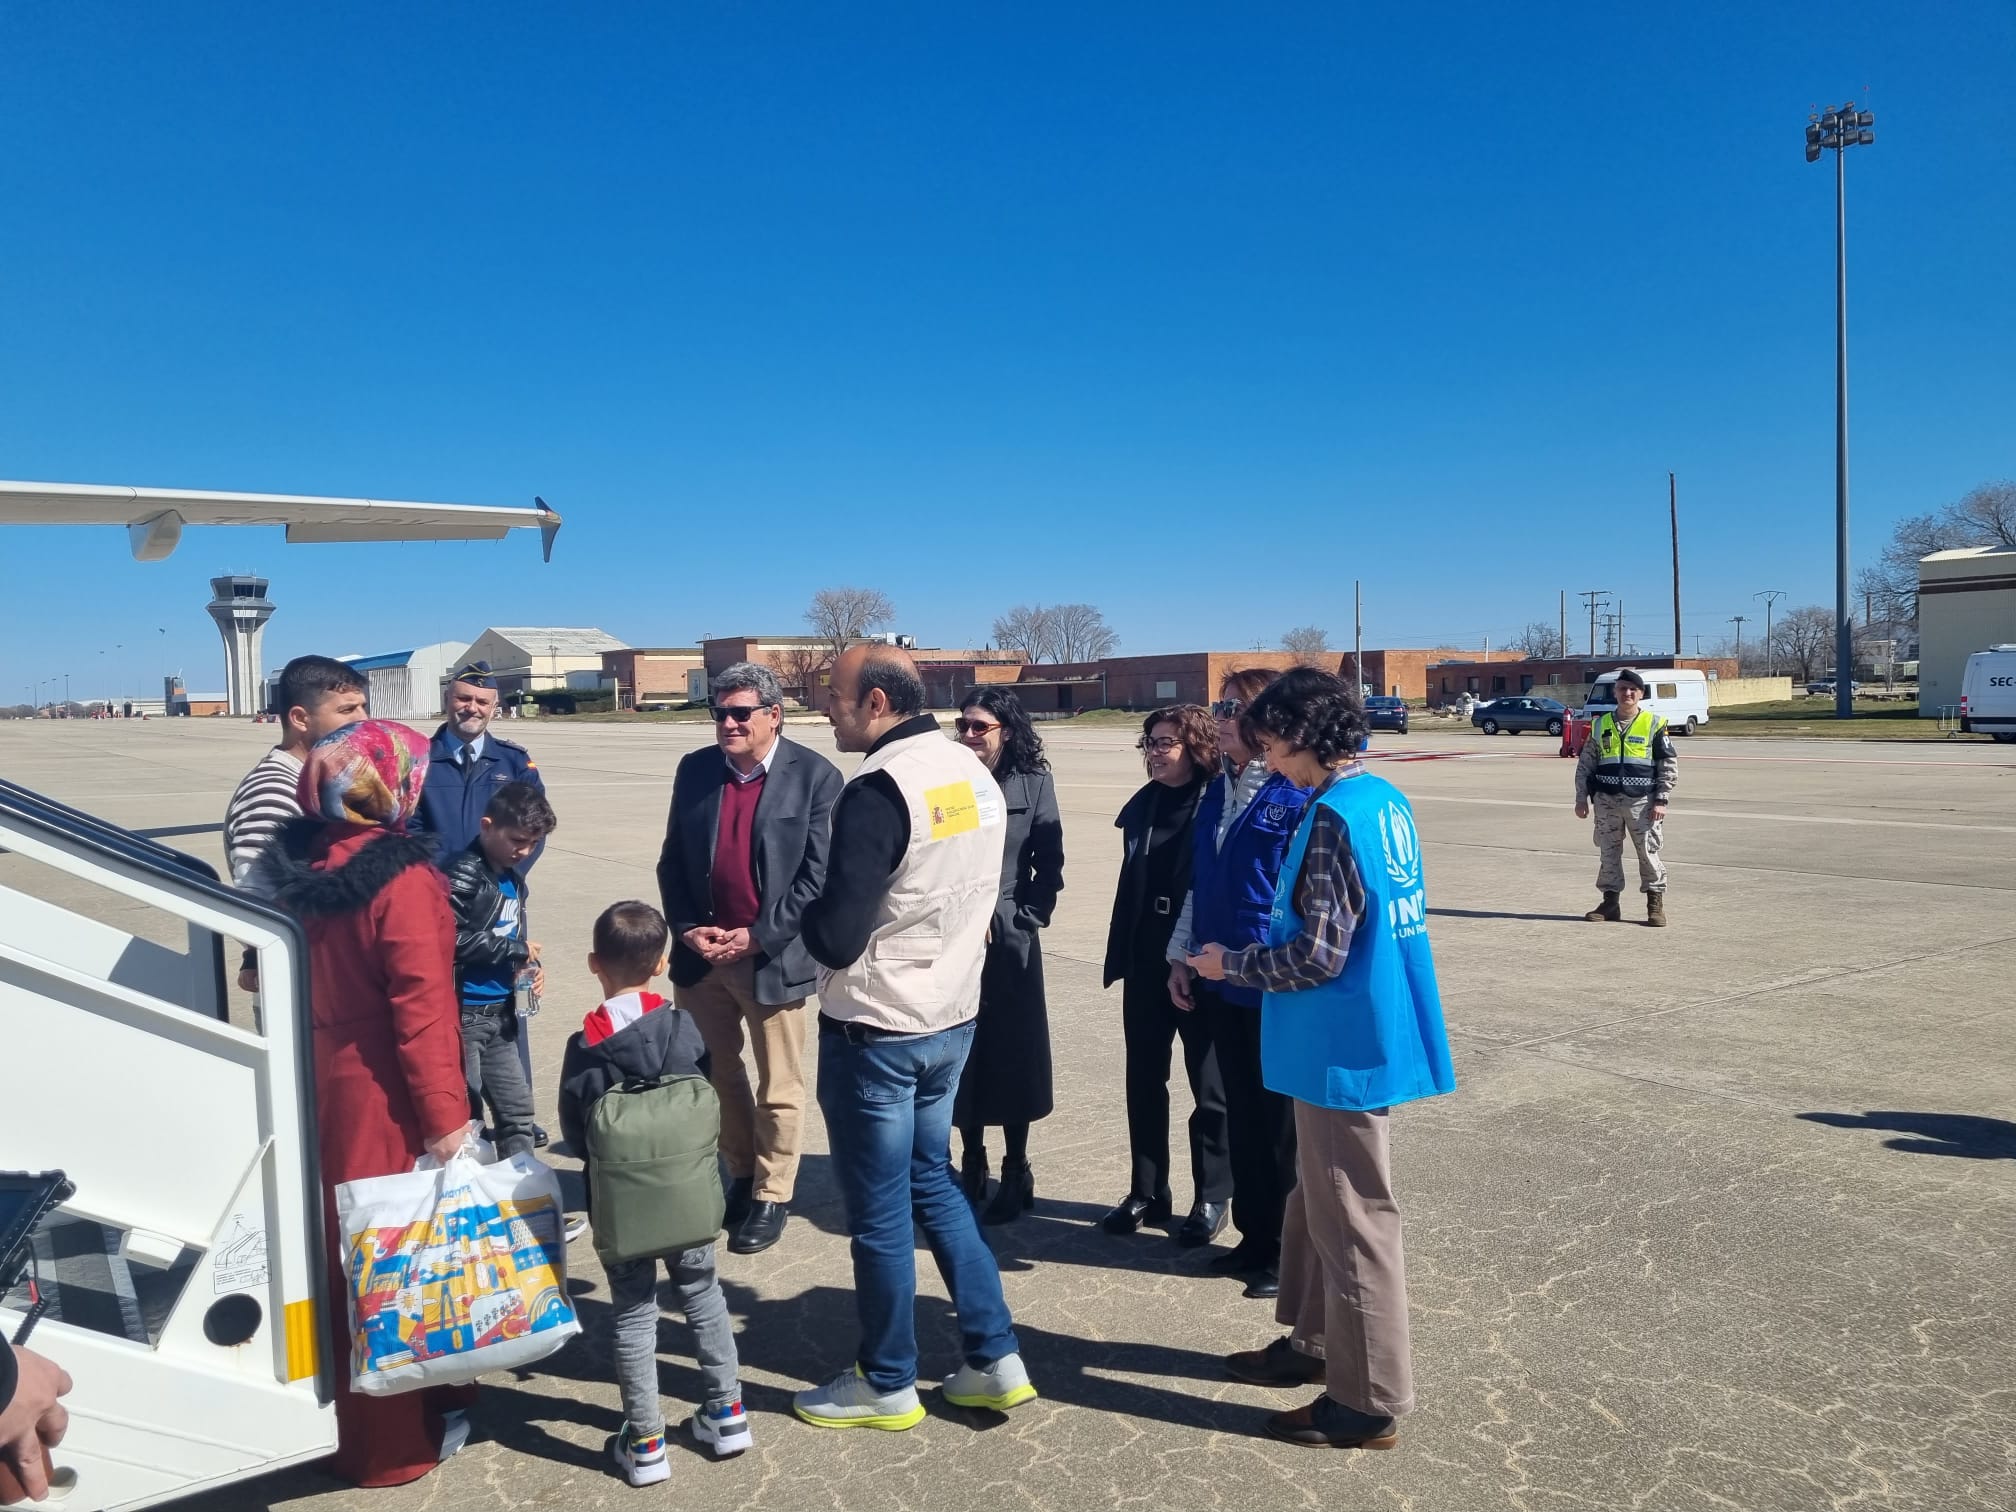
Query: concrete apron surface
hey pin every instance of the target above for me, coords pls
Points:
(1720, 1216)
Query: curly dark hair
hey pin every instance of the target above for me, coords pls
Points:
(1309, 711)
(1196, 729)
(1021, 746)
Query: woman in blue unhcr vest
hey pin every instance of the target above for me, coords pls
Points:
(1351, 1026)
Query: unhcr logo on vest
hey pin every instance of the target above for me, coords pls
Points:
(1406, 912)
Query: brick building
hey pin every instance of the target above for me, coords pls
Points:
(1147, 682)
(655, 675)
(1449, 680)
(803, 663)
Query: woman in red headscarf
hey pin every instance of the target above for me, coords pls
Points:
(387, 1034)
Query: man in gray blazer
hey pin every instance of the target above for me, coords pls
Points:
(745, 851)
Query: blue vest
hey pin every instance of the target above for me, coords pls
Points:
(1232, 890)
(1372, 1036)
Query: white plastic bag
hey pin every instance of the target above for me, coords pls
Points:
(453, 1272)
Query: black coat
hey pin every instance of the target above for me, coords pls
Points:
(1142, 923)
(1007, 1075)
(791, 832)
(478, 903)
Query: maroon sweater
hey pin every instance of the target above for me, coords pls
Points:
(735, 900)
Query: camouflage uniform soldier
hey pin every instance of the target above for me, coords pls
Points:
(1628, 767)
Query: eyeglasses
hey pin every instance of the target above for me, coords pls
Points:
(1228, 708)
(740, 713)
(1161, 745)
(973, 726)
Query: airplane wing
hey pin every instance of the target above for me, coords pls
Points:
(154, 517)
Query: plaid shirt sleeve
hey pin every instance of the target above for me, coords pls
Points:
(1331, 899)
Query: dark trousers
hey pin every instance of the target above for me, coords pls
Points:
(1151, 1022)
(1261, 1124)
(490, 1039)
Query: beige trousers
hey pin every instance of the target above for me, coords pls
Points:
(1343, 1278)
(760, 1130)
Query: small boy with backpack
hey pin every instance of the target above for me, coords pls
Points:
(486, 889)
(636, 1105)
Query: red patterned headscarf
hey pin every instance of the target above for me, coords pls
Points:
(366, 773)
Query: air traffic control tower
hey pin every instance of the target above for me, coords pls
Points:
(241, 610)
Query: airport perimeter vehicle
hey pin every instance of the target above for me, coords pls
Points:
(1988, 694)
(1520, 712)
(185, 1277)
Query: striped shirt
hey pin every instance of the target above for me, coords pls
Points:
(1329, 896)
(265, 800)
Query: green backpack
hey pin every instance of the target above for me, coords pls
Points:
(654, 1184)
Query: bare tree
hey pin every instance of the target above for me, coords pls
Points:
(1803, 642)
(1541, 640)
(1032, 630)
(798, 668)
(1984, 517)
(1307, 644)
(1082, 634)
(841, 616)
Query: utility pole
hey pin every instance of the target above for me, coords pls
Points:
(1770, 597)
(1737, 620)
(1618, 648)
(1564, 622)
(1358, 631)
(1673, 513)
(1593, 597)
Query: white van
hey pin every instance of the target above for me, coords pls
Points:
(1988, 693)
(1680, 694)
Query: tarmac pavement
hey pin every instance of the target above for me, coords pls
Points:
(1720, 1216)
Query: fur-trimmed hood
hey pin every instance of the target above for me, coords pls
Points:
(286, 873)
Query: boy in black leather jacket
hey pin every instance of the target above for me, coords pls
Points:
(487, 891)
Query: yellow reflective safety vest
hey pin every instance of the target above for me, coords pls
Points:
(1624, 759)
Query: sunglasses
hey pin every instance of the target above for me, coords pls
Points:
(973, 726)
(1228, 708)
(741, 714)
(1161, 745)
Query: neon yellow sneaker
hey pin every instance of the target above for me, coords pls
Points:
(1002, 1385)
(848, 1401)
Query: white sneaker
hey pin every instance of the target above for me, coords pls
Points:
(577, 1225)
(642, 1460)
(848, 1401)
(1002, 1385)
(724, 1427)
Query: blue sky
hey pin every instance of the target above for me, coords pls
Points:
(1195, 312)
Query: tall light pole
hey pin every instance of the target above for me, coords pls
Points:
(1770, 597)
(1837, 131)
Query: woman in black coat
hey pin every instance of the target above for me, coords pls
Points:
(1179, 745)
(1007, 1076)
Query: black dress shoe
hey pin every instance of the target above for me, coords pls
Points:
(737, 1209)
(1206, 1222)
(1134, 1211)
(1263, 1283)
(540, 1138)
(1279, 1364)
(762, 1228)
(1325, 1424)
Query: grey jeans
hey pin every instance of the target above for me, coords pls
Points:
(633, 1297)
(490, 1064)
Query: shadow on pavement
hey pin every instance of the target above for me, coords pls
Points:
(1485, 913)
(1965, 1135)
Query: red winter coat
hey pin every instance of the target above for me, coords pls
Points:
(388, 1072)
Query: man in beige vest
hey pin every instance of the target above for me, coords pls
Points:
(899, 934)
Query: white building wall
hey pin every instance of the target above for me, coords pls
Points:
(1955, 623)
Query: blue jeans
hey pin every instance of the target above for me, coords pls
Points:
(887, 1099)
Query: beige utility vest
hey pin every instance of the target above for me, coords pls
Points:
(921, 970)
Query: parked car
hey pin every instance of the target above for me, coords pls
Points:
(1383, 713)
(1825, 685)
(1521, 713)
